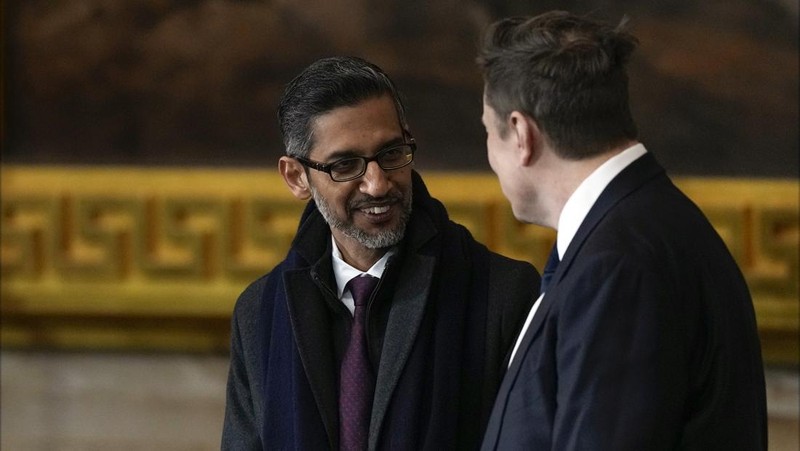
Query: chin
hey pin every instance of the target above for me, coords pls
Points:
(522, 216)
(387, 235)
(380, 240)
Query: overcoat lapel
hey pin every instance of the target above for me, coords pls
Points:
(405, 317)
(310, 324)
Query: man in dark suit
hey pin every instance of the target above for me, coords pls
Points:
(387, 326)
(645, 336)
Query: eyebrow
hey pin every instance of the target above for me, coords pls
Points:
(346, 153)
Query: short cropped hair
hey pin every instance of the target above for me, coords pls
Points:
(568, 73)
(327, 84)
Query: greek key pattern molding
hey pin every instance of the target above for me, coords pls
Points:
(169, 243)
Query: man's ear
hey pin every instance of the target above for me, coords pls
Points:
(527, 135)
(295, 176)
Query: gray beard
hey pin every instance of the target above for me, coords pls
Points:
(380, 240)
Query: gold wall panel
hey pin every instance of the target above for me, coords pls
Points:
(155, 258)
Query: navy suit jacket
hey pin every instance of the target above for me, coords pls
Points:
(646, 338)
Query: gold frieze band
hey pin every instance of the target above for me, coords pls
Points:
(153, 258)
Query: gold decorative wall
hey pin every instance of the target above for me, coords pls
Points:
(132, 258)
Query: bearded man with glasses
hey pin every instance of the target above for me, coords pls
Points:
(414, 360)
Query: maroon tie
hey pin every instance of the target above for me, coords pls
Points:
(357, 384)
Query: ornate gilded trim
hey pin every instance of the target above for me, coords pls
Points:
(154, 257)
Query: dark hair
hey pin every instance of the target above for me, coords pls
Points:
(327, 84)
(565, 72)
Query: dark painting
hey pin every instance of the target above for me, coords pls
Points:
(196, 82)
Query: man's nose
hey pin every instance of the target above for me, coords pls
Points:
(375, 180)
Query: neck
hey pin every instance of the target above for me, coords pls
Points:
(355, 254)
(561, 177)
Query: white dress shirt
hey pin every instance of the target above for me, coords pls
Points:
(577, 207)
(343, 272)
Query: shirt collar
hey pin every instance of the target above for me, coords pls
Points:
(343, 272)
(581, 201)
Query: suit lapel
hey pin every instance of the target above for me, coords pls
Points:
(311, 325)
(630, 179)
(405, 317)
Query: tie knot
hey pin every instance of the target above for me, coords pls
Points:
(361, 287)
(552, 261)
(549, 269)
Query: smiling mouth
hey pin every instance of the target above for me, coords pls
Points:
(377, 210)
(377, 214)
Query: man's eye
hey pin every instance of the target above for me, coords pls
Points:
(346, 165)
(391, 155)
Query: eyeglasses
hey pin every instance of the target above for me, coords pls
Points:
(351, 168)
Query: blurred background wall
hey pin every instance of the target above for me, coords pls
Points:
(139, 195)
(177, 82)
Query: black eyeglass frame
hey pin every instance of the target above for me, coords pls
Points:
(326, 167)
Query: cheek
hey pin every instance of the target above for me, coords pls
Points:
(337, 197)
(505, 175)
(490, 151)
(342, 199)
(492, 162)
(494, 157)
